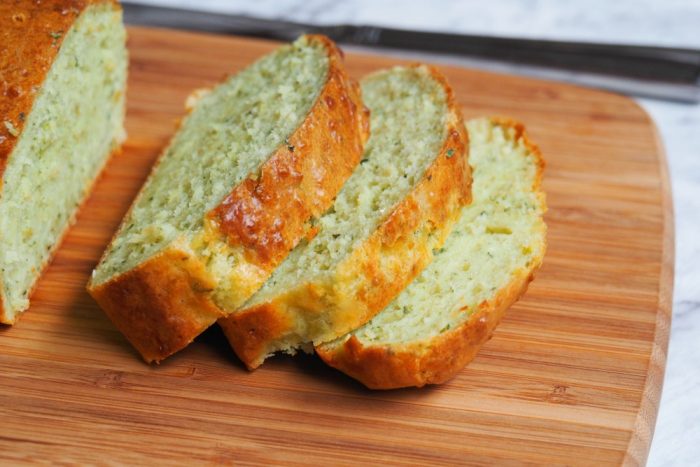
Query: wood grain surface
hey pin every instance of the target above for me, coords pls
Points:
(572, 376)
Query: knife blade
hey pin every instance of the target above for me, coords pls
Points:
(658, 72)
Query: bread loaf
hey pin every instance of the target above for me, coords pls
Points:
(397, 207)
(258, 157)
(439, 322)
(63, 66)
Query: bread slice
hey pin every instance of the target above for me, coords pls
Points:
(396, 208)
(63, 67)
(257, 158)
(439, 322)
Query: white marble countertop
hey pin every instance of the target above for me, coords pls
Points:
(653, 22)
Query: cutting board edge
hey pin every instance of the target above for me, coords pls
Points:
(645, 423)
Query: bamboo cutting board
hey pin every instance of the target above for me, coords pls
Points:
(573, 374)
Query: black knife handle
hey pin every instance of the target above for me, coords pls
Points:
(663, 72)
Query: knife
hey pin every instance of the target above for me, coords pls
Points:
(657, 72)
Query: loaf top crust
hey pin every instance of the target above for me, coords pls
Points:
(31, 34)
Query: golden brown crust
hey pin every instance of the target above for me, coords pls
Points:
(267, 215)
(362, 286)
(250, 333)
(431, 362)
(161, 305)
(438, 359)
(31, 34)
(293, 186)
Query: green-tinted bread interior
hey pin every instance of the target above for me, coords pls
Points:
(501, 234)
(75, 123)
(231, 131)
(408, 112)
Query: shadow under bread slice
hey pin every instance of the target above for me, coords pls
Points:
(439, 322)
(396, 208)
(63, 67)
(256, 159)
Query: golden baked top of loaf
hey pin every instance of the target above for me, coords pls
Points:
(31, 34)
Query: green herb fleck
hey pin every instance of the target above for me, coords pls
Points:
(364, 160)
(21, 116)
(445, 328)
(55, 36)
(290, 147)
(450, 153)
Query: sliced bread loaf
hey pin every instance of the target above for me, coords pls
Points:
(257, 158)
(63, 68)
(397, 207)
(439, 322)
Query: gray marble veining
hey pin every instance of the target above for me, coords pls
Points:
(653, 22)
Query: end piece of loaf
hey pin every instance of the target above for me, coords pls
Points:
(439, 322)
(258, 157)
(397, 207)
(63, 67)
